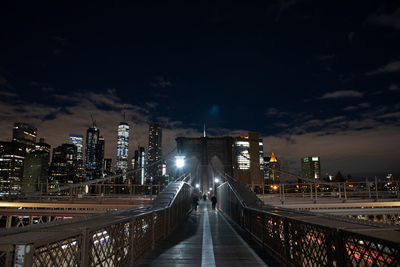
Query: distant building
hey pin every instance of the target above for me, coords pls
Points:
(63, 167)
(26, 134)
(36, 168)
(102, 149)
(36, 171)
(311, 168)
(77, 140)
(12, 155)
(107, 166)
(140, 163)
(154, 153)
(249, 156)
(266, 169)
(122, 147)
(274, 168)
(94, 153)
(261, 146)
(42, 146)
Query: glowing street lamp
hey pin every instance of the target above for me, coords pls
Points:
(216, 180)
(180, 161)
(197, 186)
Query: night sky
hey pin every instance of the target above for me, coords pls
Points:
(312, 77)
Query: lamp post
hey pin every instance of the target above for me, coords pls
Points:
(216, 182)
(179, 163)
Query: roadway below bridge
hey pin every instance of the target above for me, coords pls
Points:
(27, 212)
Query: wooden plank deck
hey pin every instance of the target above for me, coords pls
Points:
(204, 239)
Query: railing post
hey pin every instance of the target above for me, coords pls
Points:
(376, 188)
(153, 232)
(286, 236)
(8, 221)
(369, 189)
(340, 193)
(339, 248)
(345, 192)
(85, 248)
(165, 222)
(23, 255)
(132, 242)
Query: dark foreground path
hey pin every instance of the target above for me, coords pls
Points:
(204, 239)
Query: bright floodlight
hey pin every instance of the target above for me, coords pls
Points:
(197, 186)
(180, 161)
(216, 180)
(210, 189)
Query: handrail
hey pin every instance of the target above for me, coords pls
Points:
(301, 238)
(117, 238)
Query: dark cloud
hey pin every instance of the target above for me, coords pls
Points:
(393, 87)
(341, 94)
(393, 66)
(161, 82)
(388, 19)
(8, 94)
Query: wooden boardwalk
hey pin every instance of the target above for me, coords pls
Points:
(204, 239)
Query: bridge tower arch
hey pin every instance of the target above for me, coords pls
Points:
(206, 150)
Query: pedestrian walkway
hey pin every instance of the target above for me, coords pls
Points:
(204, 239)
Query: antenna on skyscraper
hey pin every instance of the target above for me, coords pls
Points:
(93, 121)
(204, 130)
(124, 116)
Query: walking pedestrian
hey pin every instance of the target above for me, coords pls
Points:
(214, 202)
(195, 202)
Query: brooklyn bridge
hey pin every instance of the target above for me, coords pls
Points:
(253, 224)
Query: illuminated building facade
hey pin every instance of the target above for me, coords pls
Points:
(12, 155)
(107, 166)
(77, 140)
(94, 153)
(154, 153)
(273, 167)
(36, 168)
(311, 168)
(26, 134)
(140, 163)
(63, 167)
(122, 147)
(249, 156)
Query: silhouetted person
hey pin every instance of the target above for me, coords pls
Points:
(214, 202)
(195, 202)
(204, 197)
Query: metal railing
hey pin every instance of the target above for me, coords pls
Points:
(321, 191)
(117, 238)
(304, 239)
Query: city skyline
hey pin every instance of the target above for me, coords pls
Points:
(320, 83)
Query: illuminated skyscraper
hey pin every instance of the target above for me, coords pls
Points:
(249, 159)
(311, 168)
(77, 140)
(154, 153)
(274, 168)
(26, 134)
(63, 167)
(12, 155)
(36, 168)
(94, 153)
(140, 162)
(122, 147)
